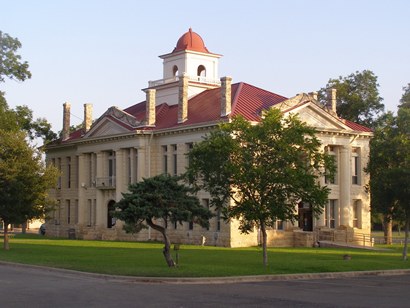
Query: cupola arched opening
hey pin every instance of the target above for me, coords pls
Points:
(175, 71)
(201, 72)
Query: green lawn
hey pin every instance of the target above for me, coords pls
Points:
(145, 259)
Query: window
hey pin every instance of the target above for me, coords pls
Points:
(356, 214)
(174, 159)
(279, 225)
(189, 147)
(191, 225)
(68, 206)
(165, 159)
(175, 71)
(355, 166)
(129, 166)
(331, 150)
(68, 172)
(201, 72)
(330, 214)
(111, 168)
(59, 169)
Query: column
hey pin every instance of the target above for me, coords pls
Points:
(345, 207)
(121, 173)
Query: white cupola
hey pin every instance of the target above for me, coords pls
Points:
(191, 59)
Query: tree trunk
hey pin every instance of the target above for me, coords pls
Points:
(24, 227)
(387, 228)
(167, 248)
(406, 237)
(6, 236)
(264, 246)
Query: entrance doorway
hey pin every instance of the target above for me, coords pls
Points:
(305, 216)
(110, 219)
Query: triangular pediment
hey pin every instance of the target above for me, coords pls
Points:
(311, 112)
(113, 122)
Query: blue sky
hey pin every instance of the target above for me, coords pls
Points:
(105, 52)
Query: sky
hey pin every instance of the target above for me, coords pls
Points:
(104, 52)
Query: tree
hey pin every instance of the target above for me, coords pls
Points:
(382, 149)
(405, 99)
(24, 181)
(156, 202)
(389, 168)
(12, 67)
(259, 173)
(358, 98)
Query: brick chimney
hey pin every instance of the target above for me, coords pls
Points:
(183, 99)
(66, 121)
(331, 101)
(150, 107)
(226, 94)
(88, 116)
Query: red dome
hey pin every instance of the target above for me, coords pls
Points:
(191, 41)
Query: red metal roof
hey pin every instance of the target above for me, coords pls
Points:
(247, 100)
(191, 41)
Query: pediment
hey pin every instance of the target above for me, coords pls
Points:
(312, 113)
(106, 127)
(113, 122)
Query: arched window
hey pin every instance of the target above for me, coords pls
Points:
(175, 71)
(110, 219)
(201, 71)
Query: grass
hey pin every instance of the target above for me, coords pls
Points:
(145, 259)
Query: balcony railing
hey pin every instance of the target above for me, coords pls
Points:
(199, 79)
(105, 182)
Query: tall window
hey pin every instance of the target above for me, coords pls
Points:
(68, 206)
(111, 168)
(356, 214)
(356, 166)
(59, 169)
(165, 159)
(201, 72)
(189, 147)
(174, 159)
(57, 213)
(68, 172)
(330, 214)
(331, 150)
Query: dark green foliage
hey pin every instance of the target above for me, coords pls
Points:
(389, 168)
(24, 180)
(157, 201)
(358, 98)
(264, 169)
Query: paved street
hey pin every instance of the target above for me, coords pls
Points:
(28, 287)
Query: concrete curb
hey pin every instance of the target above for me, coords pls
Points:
(213, 280)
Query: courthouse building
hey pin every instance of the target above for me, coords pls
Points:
(122, 146)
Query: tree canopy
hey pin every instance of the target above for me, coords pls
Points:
(157, 202)
(20, 118)
(259, 173)
(358, 97)
(24, 181)
(389, 168)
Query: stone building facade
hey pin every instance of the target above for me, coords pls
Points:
(122, 146)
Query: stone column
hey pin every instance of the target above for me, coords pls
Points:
(88, 116)
(345, 207)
